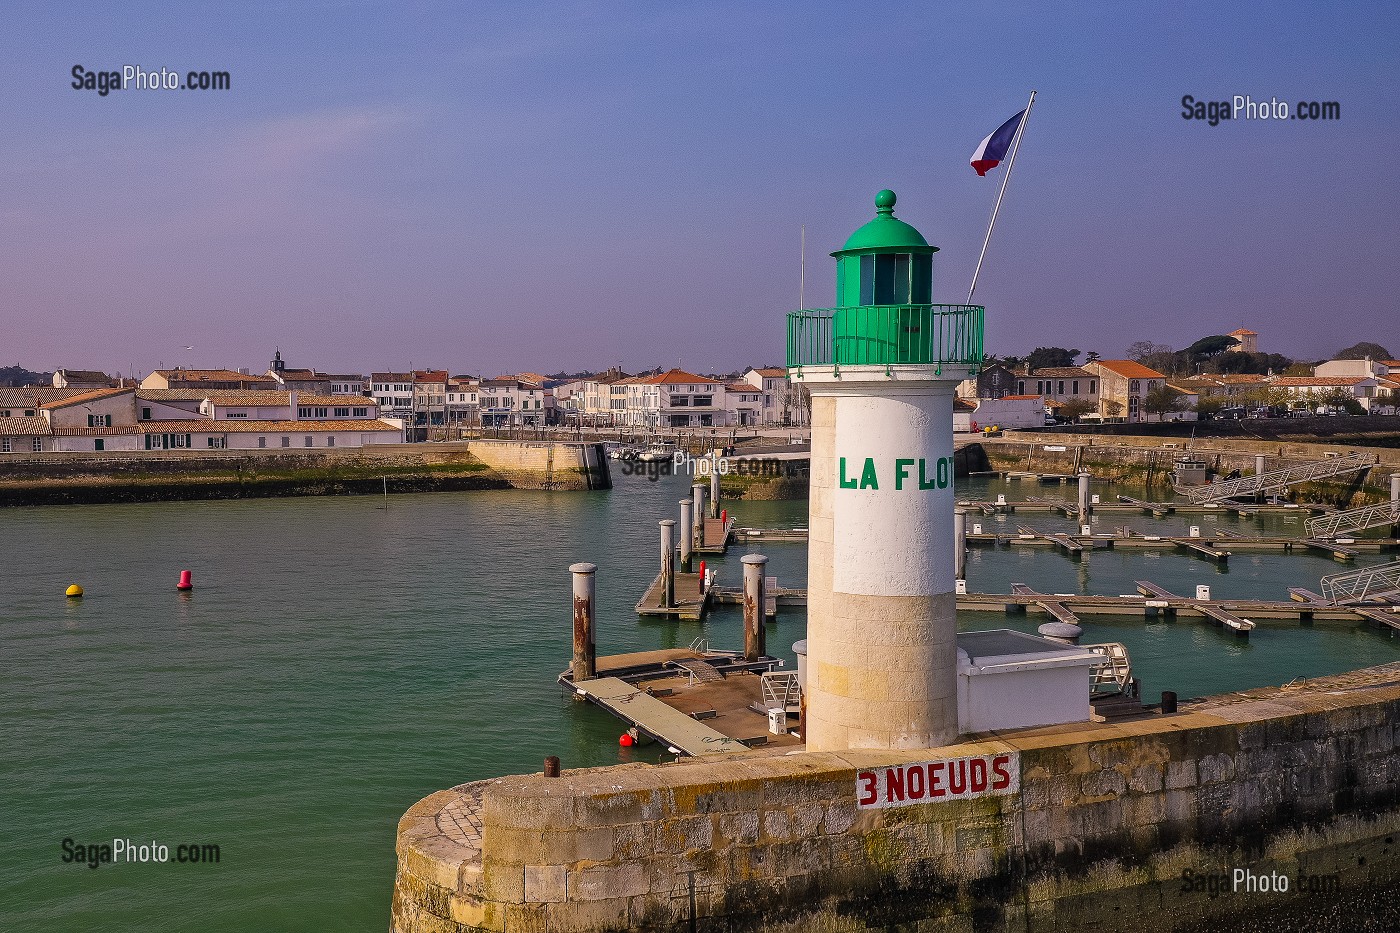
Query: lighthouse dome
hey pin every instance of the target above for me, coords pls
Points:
(886, 233)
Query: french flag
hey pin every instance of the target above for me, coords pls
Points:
(993, 148)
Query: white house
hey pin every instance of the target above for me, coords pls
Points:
(393, 392)
(1311, 391)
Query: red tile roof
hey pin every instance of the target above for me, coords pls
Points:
(679, 377)
(211, 375)
(240, 426)
(1128, 369)
(90, 395)
(14, 427)
(1319, 381)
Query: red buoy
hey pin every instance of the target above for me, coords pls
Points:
(626, 740)
(186, 581)
(702, 573)
(724, 516)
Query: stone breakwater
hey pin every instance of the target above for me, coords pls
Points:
(1112, 826)
(48, 479)
(1145, 459)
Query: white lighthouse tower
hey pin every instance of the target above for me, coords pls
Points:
(881, 612)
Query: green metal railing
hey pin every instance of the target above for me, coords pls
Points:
(884, 335)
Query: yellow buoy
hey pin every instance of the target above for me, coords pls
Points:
(74, 591)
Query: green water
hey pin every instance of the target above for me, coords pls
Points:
(338, 661)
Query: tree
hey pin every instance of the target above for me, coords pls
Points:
(1048, 357)
(1075, 408)
(1208, 406)
(1137, 352)
(1208, 347)
(1112, 408)
(1359, 351)
(1092, 357)
(1163, 400)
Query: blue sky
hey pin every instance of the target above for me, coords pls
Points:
(490, 189)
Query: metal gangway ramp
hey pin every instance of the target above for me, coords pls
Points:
(1356, 586)
(1277, 480)
(1359, 519)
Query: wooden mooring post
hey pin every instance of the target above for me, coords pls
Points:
(585, 662)
(755, 599)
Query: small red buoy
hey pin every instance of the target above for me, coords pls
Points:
(186, 581)
(626, 740)
(702, 573)
(724, 516)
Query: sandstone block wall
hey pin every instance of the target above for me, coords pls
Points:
(1300, 780)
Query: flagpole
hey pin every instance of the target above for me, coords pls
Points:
(802, 272)
(1010, 164)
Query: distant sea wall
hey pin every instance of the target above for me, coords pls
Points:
(59, 478)
(1142, 459)
(1140, 825)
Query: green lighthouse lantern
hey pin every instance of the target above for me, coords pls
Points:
(884, 289)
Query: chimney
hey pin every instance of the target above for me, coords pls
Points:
(292, 404)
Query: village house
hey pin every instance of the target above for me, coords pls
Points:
(994, 381)
(463, 403)
(603, 400)
(99, 419)
(393, 393)
(82, 379)
(743, 404)
(676, 399)
(510, 401)
(179, 378)
(1312, 392)
(782, 401)
(1123, 384)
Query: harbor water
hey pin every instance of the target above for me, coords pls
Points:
(340, 658)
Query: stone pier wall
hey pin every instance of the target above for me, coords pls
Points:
(1138, 459)
(1109, 821)
(66, 478)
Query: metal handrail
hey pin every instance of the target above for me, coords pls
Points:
(886, 334)
(1358, 519)
(1278, 479)
(1357, 585)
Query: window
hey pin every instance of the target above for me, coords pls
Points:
(319, 412)
(680, 401)
(235, 414)
(1134, 386)
(145, 414)
(342, 413)
(309, 441)
(703, 400)
(37, 445)
(4, 445)
(330, 441)
(1091, 387)
(1021, 387)
(362, 413)
(896, 279)
(99, 421)
(1076, 387)
(99, 444)
(286, 441)
(262, 442)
